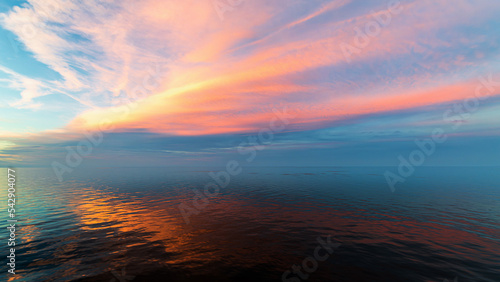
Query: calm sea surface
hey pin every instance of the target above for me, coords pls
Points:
(124, 224)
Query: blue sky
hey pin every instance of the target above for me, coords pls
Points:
(187, 83)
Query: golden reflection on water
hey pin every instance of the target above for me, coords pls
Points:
(84, 229)
(97, 210)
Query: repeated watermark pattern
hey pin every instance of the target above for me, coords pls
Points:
(33, 22)
(371, 29)
(458, 114)
(75, 156)
(224, 6)
(222, 178)
(122, 277)
(311, 263)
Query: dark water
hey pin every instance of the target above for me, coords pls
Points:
(124, 224)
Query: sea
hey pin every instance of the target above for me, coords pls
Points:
(260, 224)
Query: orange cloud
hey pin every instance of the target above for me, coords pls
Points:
(226, 76)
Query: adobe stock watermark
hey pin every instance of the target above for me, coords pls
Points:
(34, 22)
(223, 6)
(371, 29)
(457, 114)
(311, 263)
(222, 178)
(122, 277)
(11, 211)
(75, 156)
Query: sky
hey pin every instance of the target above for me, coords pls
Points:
(285, 82)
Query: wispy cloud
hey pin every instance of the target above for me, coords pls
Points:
(225, 77)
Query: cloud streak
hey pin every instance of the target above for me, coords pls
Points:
(226, 77)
